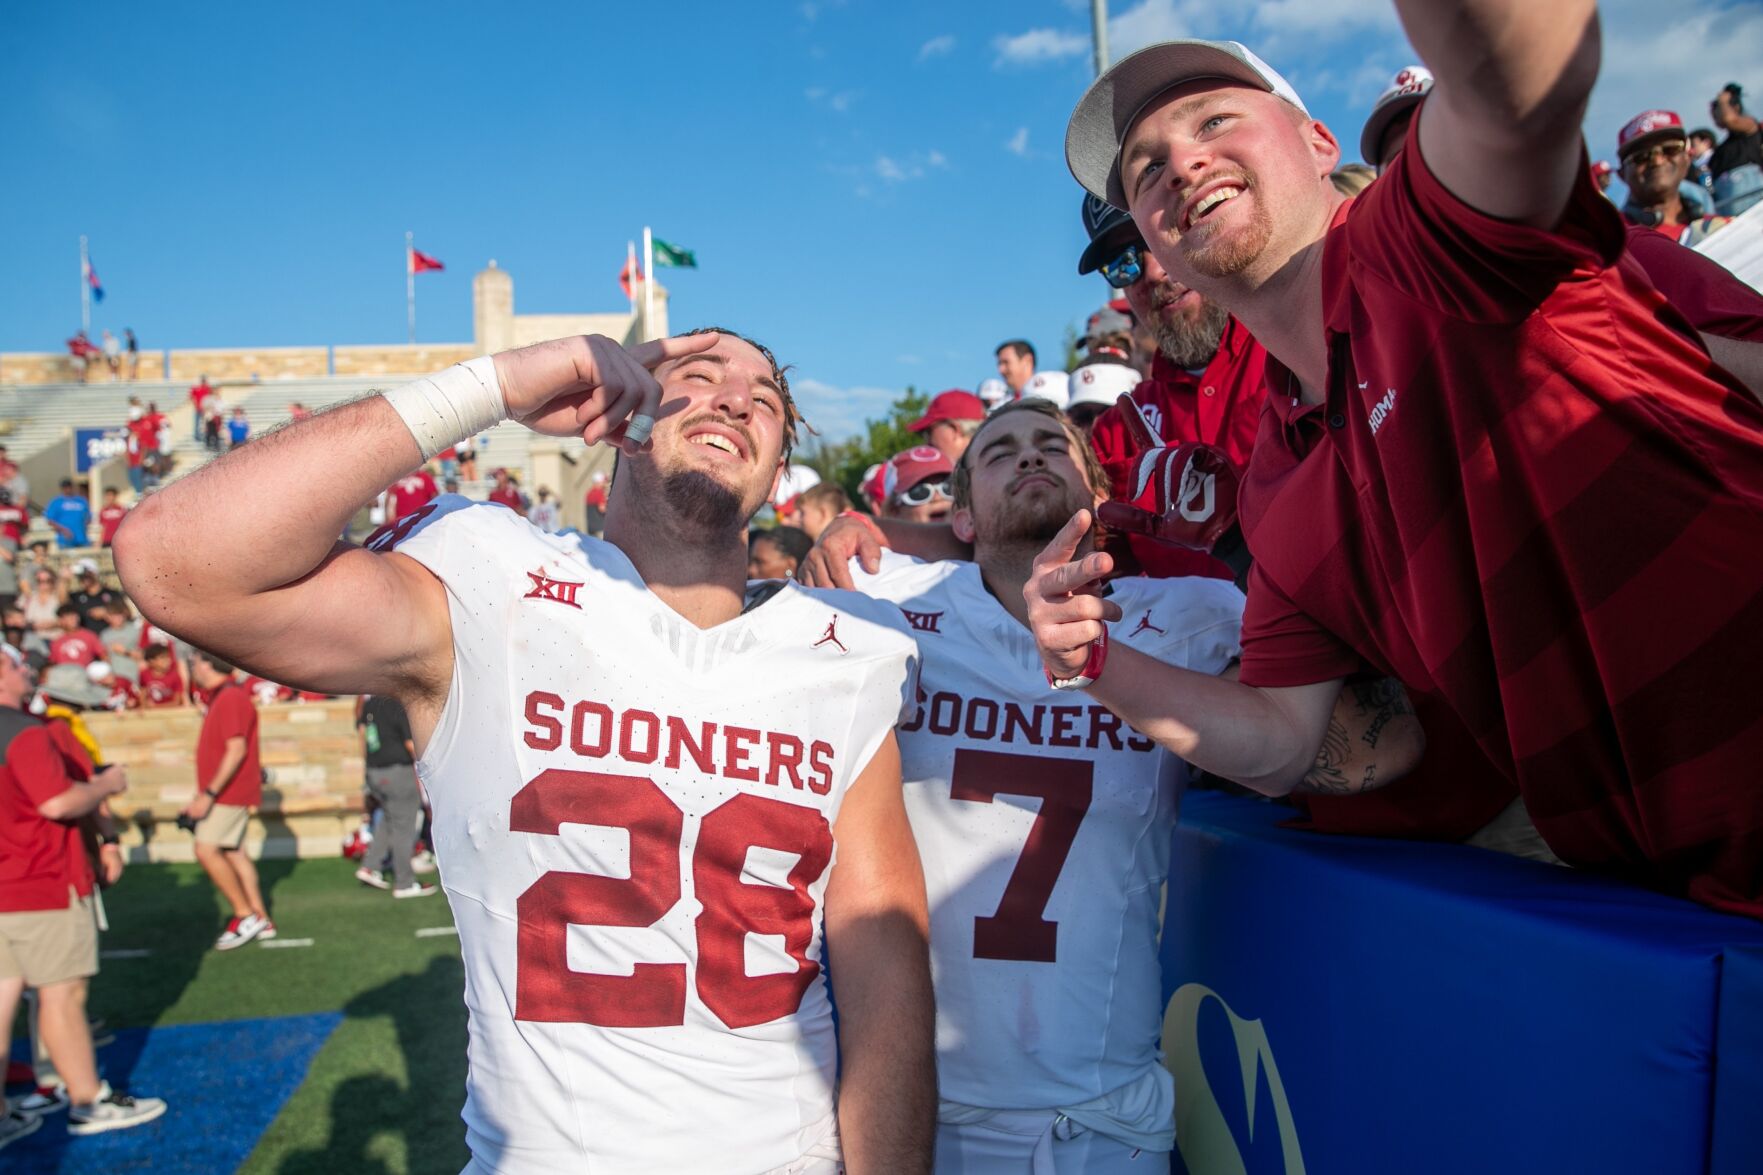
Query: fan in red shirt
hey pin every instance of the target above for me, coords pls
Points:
(1496, 464)
(162, 682)
(229, 776)
(74, 644)
(410, 494)
(266, 692)
(13, 519)
(506, 493)
(110, 516)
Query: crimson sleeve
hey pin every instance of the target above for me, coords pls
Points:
(1699, 288)
(37, 766)
(1411, 233)
(1283, 646)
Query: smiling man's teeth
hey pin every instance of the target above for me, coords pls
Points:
(715, 441)
(1212, 200)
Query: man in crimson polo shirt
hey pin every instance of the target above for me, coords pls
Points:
(229, 779)
(110, 516)
(1497, 464)
(48, 934)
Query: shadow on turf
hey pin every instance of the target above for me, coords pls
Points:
(425, 1110)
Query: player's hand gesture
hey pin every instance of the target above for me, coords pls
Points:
(1185, 494)
(829, 564)
(590, 386)
(1064, 612)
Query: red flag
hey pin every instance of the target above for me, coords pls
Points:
(631, 270)
(421, 262)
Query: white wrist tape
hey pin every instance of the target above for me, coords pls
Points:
(456, 404)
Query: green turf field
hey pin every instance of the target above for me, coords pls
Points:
(383, 1093)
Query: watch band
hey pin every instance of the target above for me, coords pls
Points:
(1092, 667)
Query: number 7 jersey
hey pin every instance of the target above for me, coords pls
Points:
(1044, 824)
(633, 819)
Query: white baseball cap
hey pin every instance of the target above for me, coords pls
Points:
(795, 479)
(1404, 93)
(993, 391)
(1048, 385)
(1114, 100)
(1102, 383)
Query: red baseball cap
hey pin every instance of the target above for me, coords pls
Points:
(1601, 167)
(953, 404)
(1647, 128)
(905, 470)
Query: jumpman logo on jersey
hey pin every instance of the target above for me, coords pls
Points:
(1145, 625)
(831, 636)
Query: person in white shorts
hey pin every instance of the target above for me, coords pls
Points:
(1045, 825)
(641, 778)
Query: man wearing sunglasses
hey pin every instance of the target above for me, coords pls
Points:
(1655, 158)
(915, 485)
(1206, 380)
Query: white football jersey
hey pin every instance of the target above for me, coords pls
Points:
(633, 822)
(1044, 824)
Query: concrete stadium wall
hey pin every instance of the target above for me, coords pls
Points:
(311, 751)
(56, 367)
(408, 359)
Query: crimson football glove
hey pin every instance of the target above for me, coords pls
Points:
(1185, 494)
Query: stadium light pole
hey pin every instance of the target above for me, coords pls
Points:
(85, 291)
(410, 281)
(1099, 33)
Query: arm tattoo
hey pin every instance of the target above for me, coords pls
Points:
(1326, 775)
(1382, 700)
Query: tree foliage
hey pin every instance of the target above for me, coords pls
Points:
(845, 462)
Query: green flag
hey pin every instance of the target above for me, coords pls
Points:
(673, 257)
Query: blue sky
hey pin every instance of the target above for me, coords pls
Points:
(875, 189)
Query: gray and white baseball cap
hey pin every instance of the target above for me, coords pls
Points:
(1114, 100)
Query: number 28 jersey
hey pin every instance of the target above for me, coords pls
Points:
(633, 822)
(1044, 824)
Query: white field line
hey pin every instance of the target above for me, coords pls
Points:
(285, 943)
(437, 931)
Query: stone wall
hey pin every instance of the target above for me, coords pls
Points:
(234, 365)
(409, 359)
(311, 751)
(56, 367)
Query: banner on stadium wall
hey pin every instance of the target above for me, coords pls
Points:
(1340, 1005)
(95, 446)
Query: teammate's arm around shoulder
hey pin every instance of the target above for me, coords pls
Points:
(877, 933)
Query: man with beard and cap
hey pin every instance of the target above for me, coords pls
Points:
(1045, 825)
(1206, 382)
(1473, 401)
(647, 994)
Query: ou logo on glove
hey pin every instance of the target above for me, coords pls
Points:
(1184, 494)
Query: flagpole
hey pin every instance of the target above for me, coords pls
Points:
(648, 283)
(630, 268)
(410, 281)
(85, 289)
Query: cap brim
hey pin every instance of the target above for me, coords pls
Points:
(1378, 125)
(1648, 139)
(1108, 246)
(922, 423)
(1108, 107)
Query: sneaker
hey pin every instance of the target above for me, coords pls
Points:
(45, 1099)
(16, 1125)
(238, 932)
(268, 930)
(372, 877)
(113, 1111)
(423, 862)
(415, 889)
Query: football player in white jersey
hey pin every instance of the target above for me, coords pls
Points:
(640, 783)
(1045, 825)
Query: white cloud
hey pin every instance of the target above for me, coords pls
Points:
(1018, 142)
(936, 47)
(1039, 46)
(837, 101)
(913, 167)
(837, 413)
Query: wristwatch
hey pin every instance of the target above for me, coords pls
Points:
(1092, 667)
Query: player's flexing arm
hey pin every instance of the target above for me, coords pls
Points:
(877, 934)
(1272, 740)
(241, 557)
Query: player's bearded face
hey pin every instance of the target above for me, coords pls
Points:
(1186, 324)
(719, 438)
(1026, 483)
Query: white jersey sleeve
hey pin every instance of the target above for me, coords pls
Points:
(633, 821)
